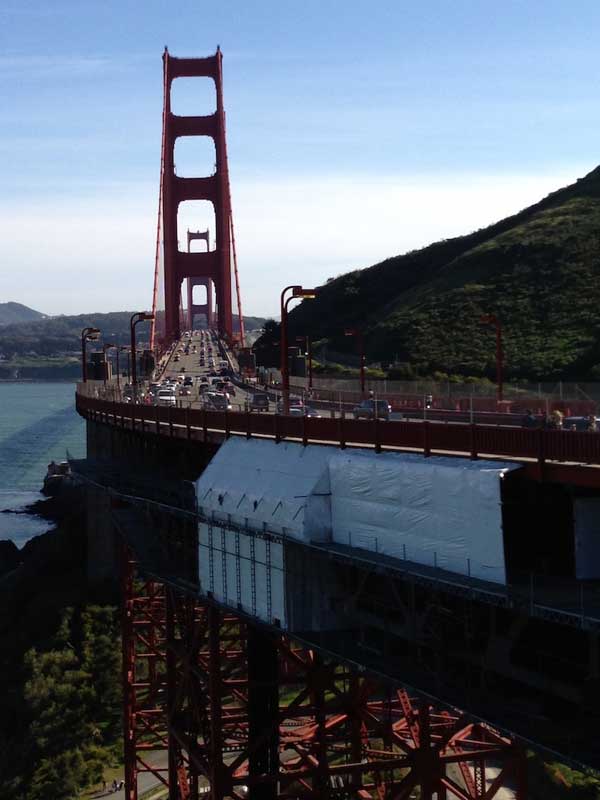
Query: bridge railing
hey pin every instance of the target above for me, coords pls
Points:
(426, 437)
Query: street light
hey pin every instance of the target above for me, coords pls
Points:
(105, 348)
(298, 292)
(308, 344)
(492, 319)
(87, 335)
(360, 341)
(126, 349)
(140, 316)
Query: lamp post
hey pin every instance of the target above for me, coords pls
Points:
(360, 341)
(88, 334)
(125, 349)
(140, 316)
(492, 319)
(301, 293)
(107, 347)
(308, 344)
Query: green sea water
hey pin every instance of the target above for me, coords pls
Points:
(38, 424)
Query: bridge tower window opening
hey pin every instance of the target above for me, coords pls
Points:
(195, 215)
(199, 294)
(193, 97)
(195, 156)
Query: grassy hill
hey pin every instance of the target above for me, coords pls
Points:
(538, 271)
(11, 313)
(54, 336)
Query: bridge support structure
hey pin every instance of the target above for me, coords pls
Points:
(214, 265)
(240, 710)
(199, 308)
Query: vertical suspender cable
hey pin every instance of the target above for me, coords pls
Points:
(159, 216)
(233, 247)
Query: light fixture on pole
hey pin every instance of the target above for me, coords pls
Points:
(126, 349)
(492, 319)
(140, 316)
(88, 334)
(308, 345)
(107, 347)
(360, 341)
(298, 292)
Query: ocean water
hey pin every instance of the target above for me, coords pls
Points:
(38, 424)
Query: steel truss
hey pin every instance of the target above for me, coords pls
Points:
(220, 707)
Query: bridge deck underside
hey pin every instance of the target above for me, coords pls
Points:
(469, 644)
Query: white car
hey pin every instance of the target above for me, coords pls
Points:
(166, 397)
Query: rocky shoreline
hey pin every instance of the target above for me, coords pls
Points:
(52, 510)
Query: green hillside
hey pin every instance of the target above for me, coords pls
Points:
(538, 271)
(57, 336)
(11, 313)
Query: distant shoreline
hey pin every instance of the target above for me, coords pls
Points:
(38, 380)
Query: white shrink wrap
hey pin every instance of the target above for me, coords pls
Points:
(258, 482)
(439, 511)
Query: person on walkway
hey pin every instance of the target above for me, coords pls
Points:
(592, 424)
(556, 420)
(529, 420)
(115, 785)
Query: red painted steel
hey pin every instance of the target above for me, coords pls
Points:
(214, 265)
(199, 308)
(144, 680)
(304, 726)
(572, 448)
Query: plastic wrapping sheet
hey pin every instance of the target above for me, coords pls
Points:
(441, 512)
(283, 486)
(243, 571)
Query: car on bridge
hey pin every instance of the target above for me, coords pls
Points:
(215, 401)
(303, 411)
(259, 402)
(166, 397)
(371, 409)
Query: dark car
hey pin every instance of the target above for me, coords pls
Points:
(579, 424)
(369, 409)
(259, 402)
(217, 401)
(302, 411)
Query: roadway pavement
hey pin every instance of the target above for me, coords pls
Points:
(198, 356)
(185, 359)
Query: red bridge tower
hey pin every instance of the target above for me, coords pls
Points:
(207, 308)
(204, 267)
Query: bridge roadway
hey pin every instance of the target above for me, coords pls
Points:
(393, 604)
(188, 364)
(509, 618)
(570, 457)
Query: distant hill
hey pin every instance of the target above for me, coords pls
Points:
(538, 271)
(250, 323)
(52, 336)
(11, 313)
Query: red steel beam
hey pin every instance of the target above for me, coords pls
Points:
(580, 451)
(188, 692)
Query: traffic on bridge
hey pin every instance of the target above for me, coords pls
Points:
(328, 597)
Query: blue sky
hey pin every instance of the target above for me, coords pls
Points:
(357, 130)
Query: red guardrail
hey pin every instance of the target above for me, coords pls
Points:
(425, 437)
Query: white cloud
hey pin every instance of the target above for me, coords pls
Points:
(96, 253)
